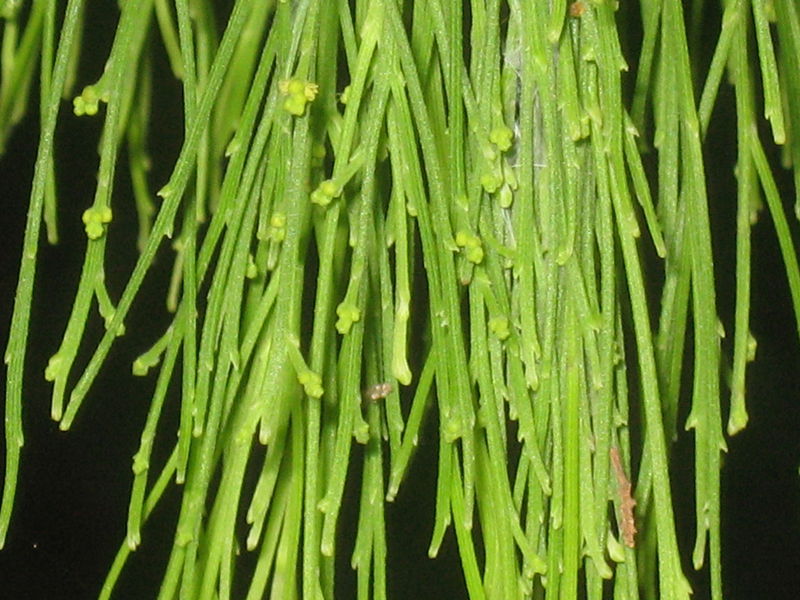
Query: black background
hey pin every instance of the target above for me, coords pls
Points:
(71, 505)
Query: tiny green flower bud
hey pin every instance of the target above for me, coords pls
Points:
(312, 383)
(318, 197)
(87, 103)
(325, 192)
(473, 248)
(95, 219)
(506, 196)
(277, 227)
(310, 91)
(252, 269)
(348, 314)
(474, 254)
(278, 220)
(499, 327)
(318, 153)
(54, 365)
(295, 105)
(491, 182)
(501, 137)
(299, 93)
(329, 188)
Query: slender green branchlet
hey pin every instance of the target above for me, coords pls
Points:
(493, 217)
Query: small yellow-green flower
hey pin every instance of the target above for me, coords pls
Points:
(311, 382)
(325, 192)
(473, 248)
(499, 327)
(95, 219)
(252, 269)
(277, 227)
(491, 182)
(501, 137)
(348, 314)
(88, 102)
(299, 93)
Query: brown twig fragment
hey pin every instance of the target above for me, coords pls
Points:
(576, 9)
(627, 524)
